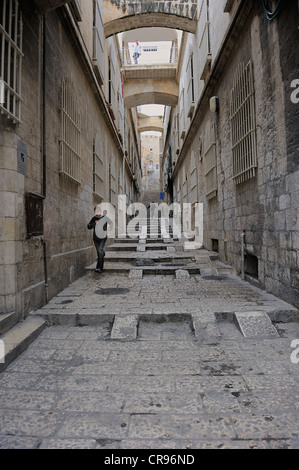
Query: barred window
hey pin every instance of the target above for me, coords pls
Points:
(98, 168)
(190, 89)
(210, 160)
(113, 183)
(98, 39)
(204, 34)
(243, 125)
(11, 32)
(70, 145)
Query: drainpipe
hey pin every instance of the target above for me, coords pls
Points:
(242, 255)
(43, 142)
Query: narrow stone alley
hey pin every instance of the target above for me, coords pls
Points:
(156, 353)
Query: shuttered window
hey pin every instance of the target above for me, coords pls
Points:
(11, 32)
(243, 124)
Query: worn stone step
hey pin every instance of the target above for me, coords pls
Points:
(125, 240)
(169, 270)
(122, 247)
(125, 328)
(7, 321)
(18, 338)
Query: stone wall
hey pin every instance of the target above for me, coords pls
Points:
(66, 246)
(265, 206)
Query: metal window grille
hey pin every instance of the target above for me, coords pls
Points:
(204, 34)
(178, 194)
(70, 144)
(182, 113)
(243, 124)
(193, 179)
(98, 168)
(98, 40)
(190, 88)
(113, 183)
(210, 160)
(11, 33)
(111, 82)
(185, 186)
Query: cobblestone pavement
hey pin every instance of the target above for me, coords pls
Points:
(189, 379)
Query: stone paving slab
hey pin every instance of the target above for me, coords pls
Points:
(255, 324)
(125, 327)
(155, 363)
(166, 389)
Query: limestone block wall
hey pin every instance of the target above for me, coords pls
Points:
(35, 269)
(16, 250)
(265, 206)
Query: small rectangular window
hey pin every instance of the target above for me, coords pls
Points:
(34, 215)
(251, 265)
(215, 245)
(150, 48)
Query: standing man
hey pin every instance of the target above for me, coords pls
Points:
(137, 52)
(99, 225)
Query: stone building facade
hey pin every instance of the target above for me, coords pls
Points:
(233, 139)
(150, 151)
(66, 144)
(69, 134)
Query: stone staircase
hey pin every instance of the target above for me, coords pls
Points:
(154, 250)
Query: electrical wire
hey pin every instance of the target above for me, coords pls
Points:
(273, 14)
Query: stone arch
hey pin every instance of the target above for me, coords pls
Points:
(157, 20)
(121, 15)
(152, 91)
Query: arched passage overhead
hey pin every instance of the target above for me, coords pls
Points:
(150, 123)
(151, 91)
(121, 15)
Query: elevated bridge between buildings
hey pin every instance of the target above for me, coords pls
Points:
(122, 15)
(150, 84)
(150, 123)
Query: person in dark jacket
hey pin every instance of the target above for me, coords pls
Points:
(99, 225)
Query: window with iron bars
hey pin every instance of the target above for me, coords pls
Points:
(98, 168)
(70, 144)
(11, 32)
(243, 124)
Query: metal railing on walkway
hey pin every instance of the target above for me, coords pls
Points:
(151, 55)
